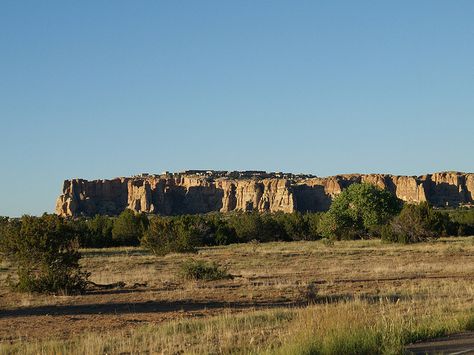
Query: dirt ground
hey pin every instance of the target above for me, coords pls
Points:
(454, 344)
(265, 276)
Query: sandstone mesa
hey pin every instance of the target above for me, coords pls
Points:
(199, 191)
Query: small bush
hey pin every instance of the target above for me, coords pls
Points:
(201, 270)
(310, 293)
(327, 242)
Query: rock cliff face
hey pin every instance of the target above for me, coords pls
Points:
(202, 192)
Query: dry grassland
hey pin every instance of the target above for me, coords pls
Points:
(284, 297)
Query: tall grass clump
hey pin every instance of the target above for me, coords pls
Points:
(359, 328)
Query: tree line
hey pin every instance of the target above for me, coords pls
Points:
(360, 211)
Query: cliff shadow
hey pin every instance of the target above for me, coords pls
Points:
(444, 194)
(203, 199)
(193, 200)
(311, 198)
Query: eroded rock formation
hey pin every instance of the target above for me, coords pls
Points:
(201, 192)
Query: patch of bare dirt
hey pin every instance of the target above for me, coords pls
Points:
(458, 344)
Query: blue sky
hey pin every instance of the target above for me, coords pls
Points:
(98, 89)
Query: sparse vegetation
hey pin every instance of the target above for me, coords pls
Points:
(357, 328)
(201, 270)
(363, 295)
(371, 283)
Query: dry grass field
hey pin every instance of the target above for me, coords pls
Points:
(284, 298)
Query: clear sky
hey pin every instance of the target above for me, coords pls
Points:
(98, 89)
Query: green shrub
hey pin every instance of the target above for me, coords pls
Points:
(272, 230)
(294, 225)
(129, 227)
(247, 226)
(99, 233)
(358, 211)
(221, 233)
(253, 225)
(181, 234)
(201, 270)
(193, 230)
(313, 220)
(463, 220)
(415, 223)
(45, 254)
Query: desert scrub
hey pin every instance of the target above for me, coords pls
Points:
(44, 252)
(200, 270)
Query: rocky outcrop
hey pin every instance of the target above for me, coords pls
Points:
(202, 192)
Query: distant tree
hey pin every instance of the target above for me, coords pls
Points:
(248, 226)
(181, 234)
(224, 234)
(221, 233)
(313, 221)
(9, 228)
(94, 232)
(415, 223)
(4, 221)
(129, 227)
(44, 251)
(99, 232)
(295, 225)
(463, 221)
(262, 227)
(358, 211)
